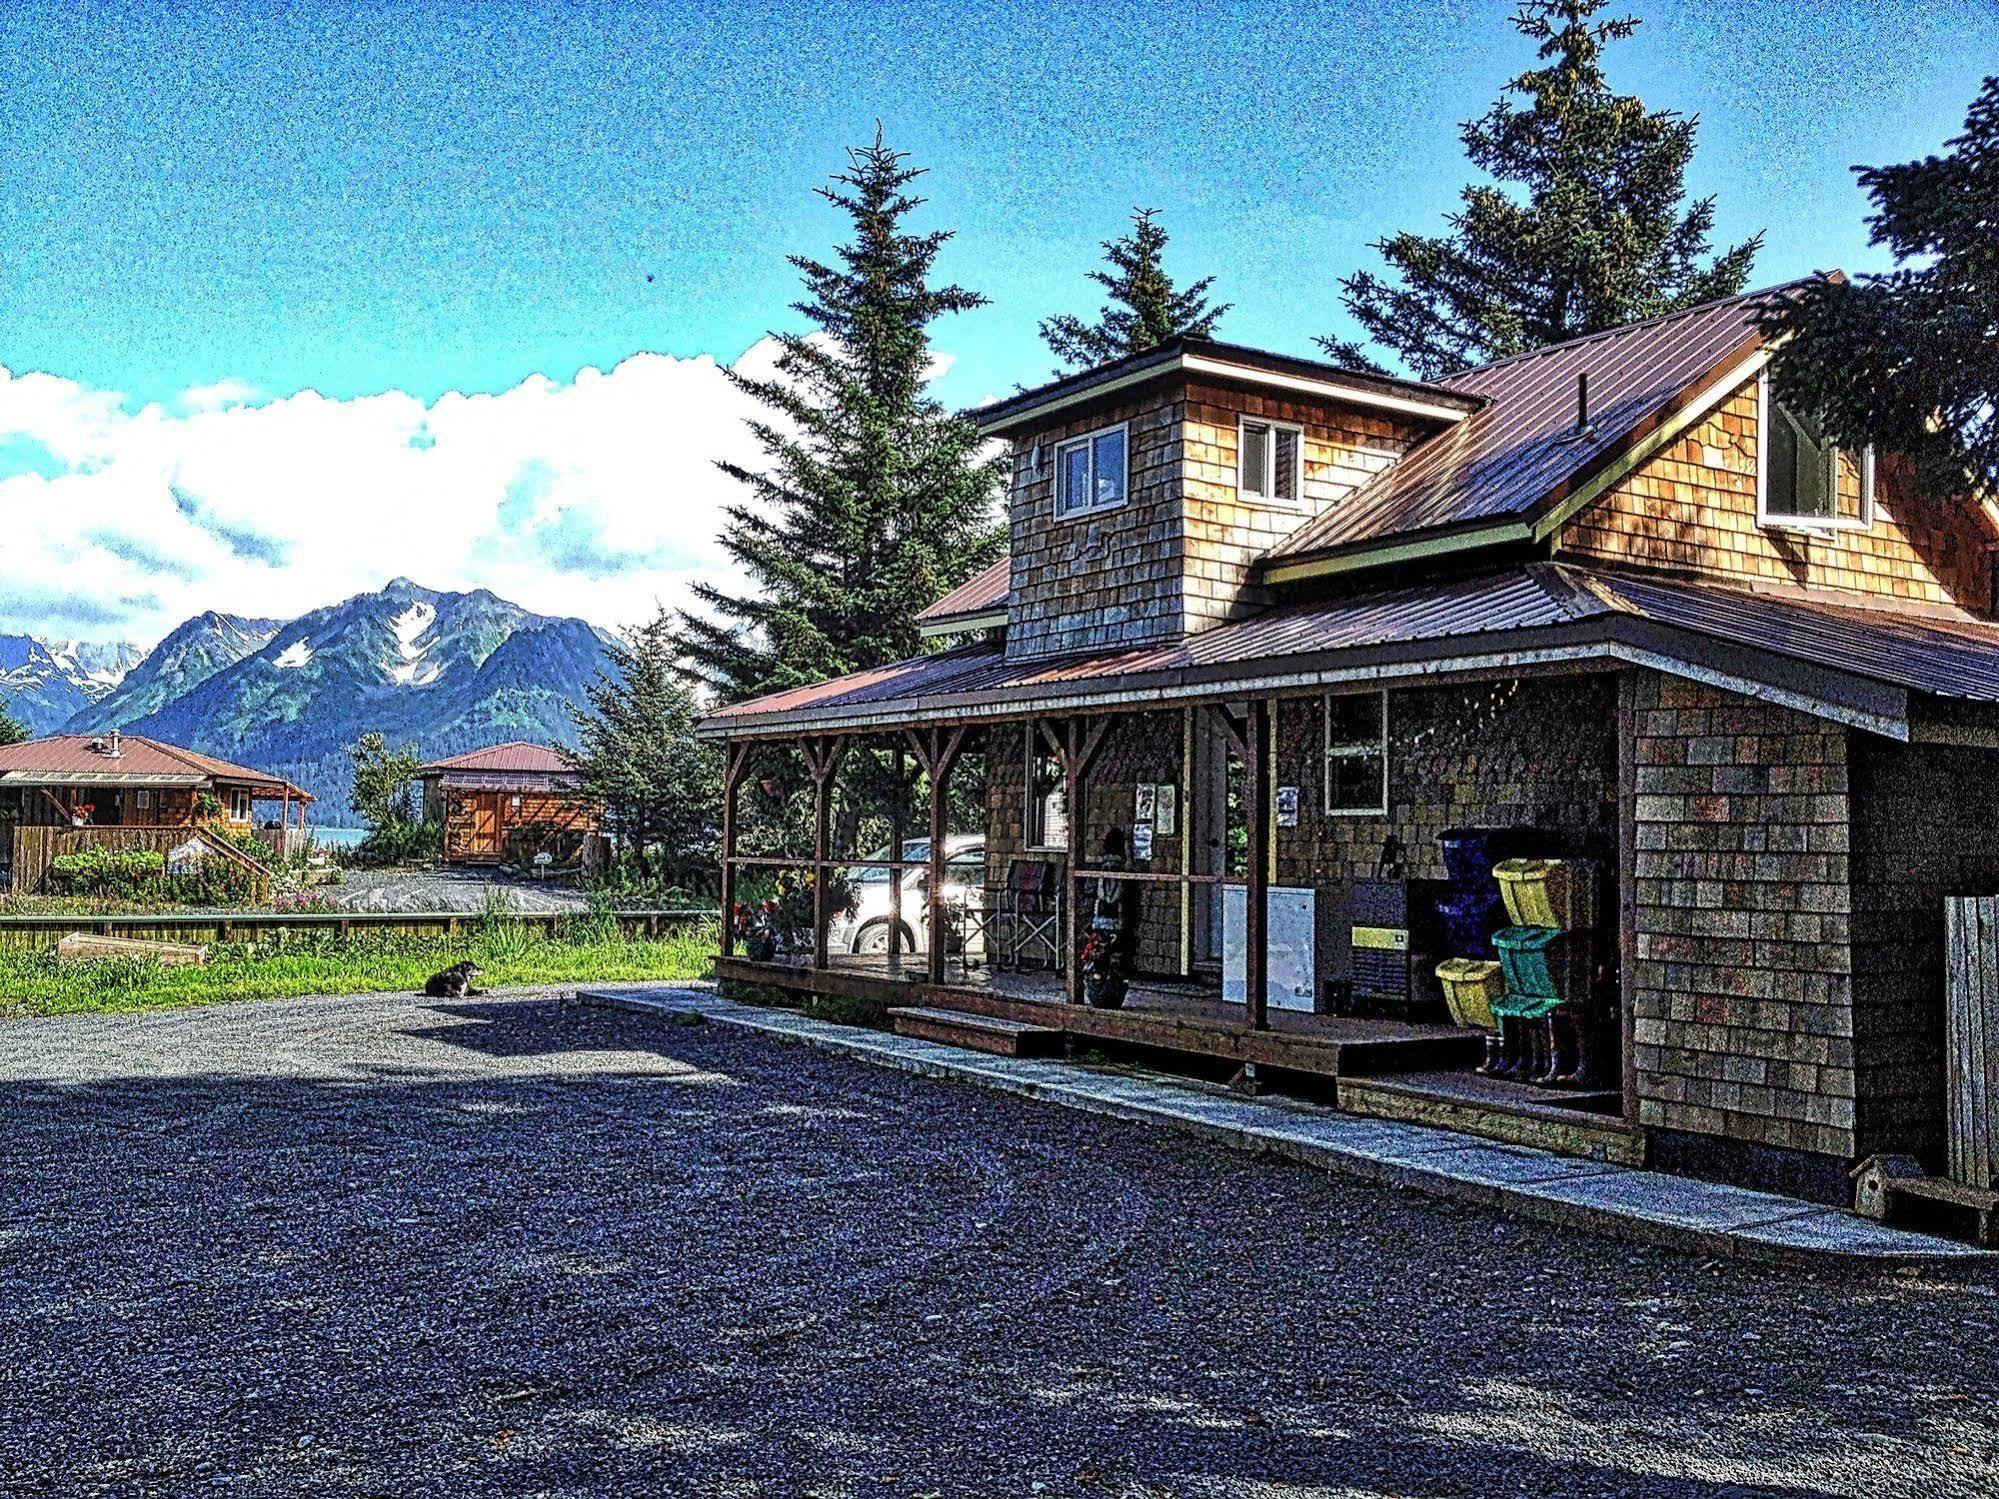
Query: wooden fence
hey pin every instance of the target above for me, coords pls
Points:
(248, 926)
(37, 847)
(1971, 1039)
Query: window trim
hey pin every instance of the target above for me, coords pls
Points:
(1243, 421)
(1030, 831)
(1087, 441)
(1815, 525)
(241, 806)
(1351, 750)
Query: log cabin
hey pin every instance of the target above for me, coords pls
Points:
(509, 802)
(62, 792)
(1283, 658)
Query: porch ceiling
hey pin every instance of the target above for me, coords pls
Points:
(1854, 665)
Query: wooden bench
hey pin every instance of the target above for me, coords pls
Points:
(987, 1033)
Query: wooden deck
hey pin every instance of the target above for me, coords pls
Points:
(1166, 1016)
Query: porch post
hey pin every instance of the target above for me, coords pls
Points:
(732, 779)
(1076, 748)
(897, 835)
(822, 759)
(1256, 916)
(938, 750)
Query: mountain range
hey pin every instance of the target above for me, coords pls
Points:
(445, 671)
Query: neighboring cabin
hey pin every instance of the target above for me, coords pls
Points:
(1296, 622)
(509, 802)
(63, 792)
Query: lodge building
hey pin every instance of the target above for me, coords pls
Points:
(1293, 657)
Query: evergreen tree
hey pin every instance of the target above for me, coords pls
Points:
(12, 730)
(873, 499)
(1909, 360)
(1144, 308)
(659, 785)
(1599, 234)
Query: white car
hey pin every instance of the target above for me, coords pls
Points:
(866, 928)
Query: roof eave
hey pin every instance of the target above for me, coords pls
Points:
(1404, 398)
(960, 624)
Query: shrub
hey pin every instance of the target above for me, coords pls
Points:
(398, 842)
(97, 870)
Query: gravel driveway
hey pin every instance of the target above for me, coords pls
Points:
(384, 1246)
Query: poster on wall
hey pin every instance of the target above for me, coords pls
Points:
(1142, 810)
(1287, 806)
(1165, 801)
(1141, 841)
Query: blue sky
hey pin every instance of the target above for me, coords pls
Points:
(359, 199)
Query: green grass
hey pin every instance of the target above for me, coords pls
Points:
(288, 964)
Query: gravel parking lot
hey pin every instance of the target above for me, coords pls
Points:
(390, 1246)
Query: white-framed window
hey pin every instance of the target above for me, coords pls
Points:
(1047, 797)
(1270, 460)
(1803, 480)
(239, 806)
(1091, 472)
(1356, 754)
(142, 799)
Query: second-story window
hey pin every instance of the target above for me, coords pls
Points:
(1271, 454)
(1805, 481)
(1090, 473)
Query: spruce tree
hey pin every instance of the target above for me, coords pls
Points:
(12, 730)
(659, 786)
(1598, 233)
(873, 499)
(1909, 360)
(1145, 309)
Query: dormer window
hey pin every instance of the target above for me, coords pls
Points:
(1804, 481)
(1270, 457)
(1090, 473)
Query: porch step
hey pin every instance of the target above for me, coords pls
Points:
(987, 1033)
(1578, 1124)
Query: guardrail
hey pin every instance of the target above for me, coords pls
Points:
(228, 926)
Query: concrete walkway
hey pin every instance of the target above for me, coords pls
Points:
(1641, 1206)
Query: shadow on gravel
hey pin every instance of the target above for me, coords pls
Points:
(575, 1253)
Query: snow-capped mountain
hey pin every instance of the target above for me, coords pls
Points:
(447, 671)
(192, 654)
(45, 682)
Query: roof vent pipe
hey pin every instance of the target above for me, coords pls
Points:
(113, 750)
(1582, 400)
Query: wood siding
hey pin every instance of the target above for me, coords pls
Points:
(480, 821)
(1692, 509)
(1173, 559)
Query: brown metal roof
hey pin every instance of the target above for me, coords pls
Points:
(517, 755)
(1846, 660)
(975, 596)
(1523, 598)
(139, 760)
(1520, 455)
(1954, 658)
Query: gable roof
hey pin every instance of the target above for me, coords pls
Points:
(979, 597)
(1505, 474)
(63, 759)
(517, 756)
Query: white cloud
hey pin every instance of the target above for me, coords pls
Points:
(594, 498)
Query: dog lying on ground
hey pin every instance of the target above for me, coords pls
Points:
(454, 982)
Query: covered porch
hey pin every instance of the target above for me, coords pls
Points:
(1272, 859)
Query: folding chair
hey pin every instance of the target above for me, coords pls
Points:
(1025, 916)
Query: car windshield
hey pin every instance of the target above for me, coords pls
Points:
(914, 851)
